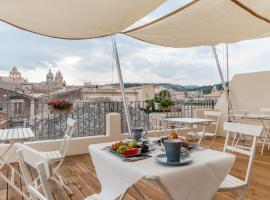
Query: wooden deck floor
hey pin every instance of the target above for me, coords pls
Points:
(80, 173)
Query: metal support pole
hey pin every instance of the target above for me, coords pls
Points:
(221, 77)
(227, 68)
(120, 77)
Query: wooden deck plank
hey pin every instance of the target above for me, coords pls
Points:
(3, 185)
(80, 174)
(12, 193)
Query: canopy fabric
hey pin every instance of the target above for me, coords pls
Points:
(208, 22)
(75, 19)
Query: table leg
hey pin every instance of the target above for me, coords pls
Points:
(164, 189)
(201, 138)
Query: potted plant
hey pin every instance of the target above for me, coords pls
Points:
(163, 101)
(58, 106)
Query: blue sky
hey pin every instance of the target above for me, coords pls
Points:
(91, 60)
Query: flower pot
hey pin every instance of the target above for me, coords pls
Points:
(52, 110)
(157, 106)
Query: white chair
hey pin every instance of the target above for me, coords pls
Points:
(204, 133)
(231, 183)
(266, 138)
(28, 156)
(57, 157)
(238, 116)
(157, 122)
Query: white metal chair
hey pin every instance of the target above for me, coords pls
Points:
(157, 122)
(29, 156)
(57, 157)
(231, 183)
(238, 116)
(266, 139)
(204, 133)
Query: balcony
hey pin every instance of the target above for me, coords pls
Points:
(79, 171)
(91, 117)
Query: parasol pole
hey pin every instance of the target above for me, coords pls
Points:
(222, 78)
(120, 77)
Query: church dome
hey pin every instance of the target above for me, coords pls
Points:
(14, 73)
(50, 76)
(59, 77)
(58, 74)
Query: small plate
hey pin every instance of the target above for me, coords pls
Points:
(184, 160)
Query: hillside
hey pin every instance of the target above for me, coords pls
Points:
(206, 89)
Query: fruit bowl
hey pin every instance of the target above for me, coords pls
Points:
(130, 149)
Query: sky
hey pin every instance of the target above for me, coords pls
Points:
(92, 60)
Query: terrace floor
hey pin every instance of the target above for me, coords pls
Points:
(80, 173)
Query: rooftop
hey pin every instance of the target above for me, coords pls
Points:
(80, 173)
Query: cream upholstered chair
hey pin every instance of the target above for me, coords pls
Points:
(204, 133)
(231, 183)
(266, 124)
(32, 157)
(57, 157)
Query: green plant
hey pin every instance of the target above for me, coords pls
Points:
(164, 94)
(163, 99)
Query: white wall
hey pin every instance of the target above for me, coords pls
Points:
(250, 91)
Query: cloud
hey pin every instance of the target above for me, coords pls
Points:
(92, 60)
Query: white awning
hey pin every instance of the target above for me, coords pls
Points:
(208, 22)
(75, 19)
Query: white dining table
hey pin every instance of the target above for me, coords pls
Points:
(259, 117)
(188, 122)
(11, 137)
(198, 180)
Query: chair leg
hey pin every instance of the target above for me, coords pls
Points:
(264, 141)
(234, 139)
(212, 142)
(200, 140)
(242, 194)
(59, 182)
(164, 189)
(61, 178)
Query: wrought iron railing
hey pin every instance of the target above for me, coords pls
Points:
(91, 117)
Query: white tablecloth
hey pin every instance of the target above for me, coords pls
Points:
(199, 180)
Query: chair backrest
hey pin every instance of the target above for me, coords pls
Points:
(213, 115)
(265, 111)
(253, 131)
(239, 115)
(156, 120)
(70, 130)
(239, 112)
(36, 160)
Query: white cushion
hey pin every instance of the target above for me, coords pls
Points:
(231, 183)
